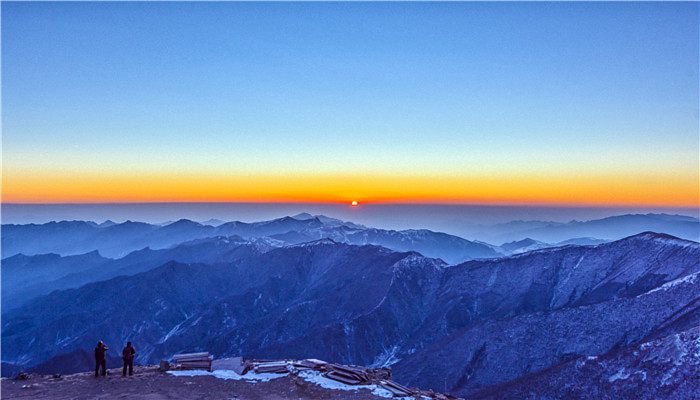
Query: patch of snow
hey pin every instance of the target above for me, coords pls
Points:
(492, 278)
(323, 241)
(686, 279)
(172, 332)
(387, 358)
(675, 242)
(620, 375)
(580, 363)
(667, 379)
(190, 373)
(623, 374)
(643, 374)
(317, 378)
(645, 345)
(230, 375)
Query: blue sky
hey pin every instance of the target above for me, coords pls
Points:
(351, 88)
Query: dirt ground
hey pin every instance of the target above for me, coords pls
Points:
(150, 384)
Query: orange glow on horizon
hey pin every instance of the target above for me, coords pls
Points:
(606, 190)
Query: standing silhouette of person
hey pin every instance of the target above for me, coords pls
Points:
(128, 356)
(100, 360)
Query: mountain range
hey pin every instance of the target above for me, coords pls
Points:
(117, 240)
(484, 328)
(609, 228)
(68, 254)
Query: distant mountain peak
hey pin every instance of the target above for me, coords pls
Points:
(522, 242)
(286, 218)
(185, 221)
(660, 237)
(302, 216)
(94, 253)
(213, 222)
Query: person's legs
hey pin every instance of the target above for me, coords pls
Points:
(126, 363)
(131, 367)
(104, 367)
(97, 368)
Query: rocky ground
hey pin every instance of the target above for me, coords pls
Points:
(150, 384)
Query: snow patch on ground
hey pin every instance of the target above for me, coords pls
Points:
(228, 374)
(317, 378)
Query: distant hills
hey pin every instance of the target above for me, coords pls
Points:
(610, 228)
(117, 240)
(528, 244)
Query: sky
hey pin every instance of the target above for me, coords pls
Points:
(561, 104)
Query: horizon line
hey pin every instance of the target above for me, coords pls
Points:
(363, 204)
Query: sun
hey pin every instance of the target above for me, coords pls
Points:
(354, 203)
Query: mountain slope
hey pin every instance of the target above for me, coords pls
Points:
(177, 295)
(26, 277)
(554, 278)
(666, 367)
(537, 341)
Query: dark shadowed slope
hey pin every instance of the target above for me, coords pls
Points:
(667, 367)
(170, 302)
(26, 277)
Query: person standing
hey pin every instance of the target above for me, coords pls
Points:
(100, 360)
(128, 356)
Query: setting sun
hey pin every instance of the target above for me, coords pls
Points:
(354, 203)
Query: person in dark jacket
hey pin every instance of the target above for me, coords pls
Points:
(100, 360)
(128, 356)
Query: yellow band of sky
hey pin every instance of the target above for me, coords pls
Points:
(570, 189)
